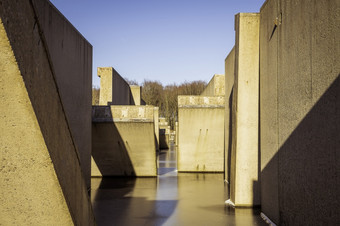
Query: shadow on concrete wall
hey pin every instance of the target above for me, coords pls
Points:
(230, 137)
(307, 166)
(163, 139)
(109, 150)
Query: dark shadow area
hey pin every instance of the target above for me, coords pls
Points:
(308, 166)
(230, 137)
(163, 139)
(108, 148)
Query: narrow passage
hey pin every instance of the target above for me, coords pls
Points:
(170, 199)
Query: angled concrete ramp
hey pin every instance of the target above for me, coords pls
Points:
(41, 178)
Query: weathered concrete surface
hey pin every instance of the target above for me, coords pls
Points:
(136, 92)
(71, 56)
(300, 141)
(215, 87)
(244, 176)
(41, 177)
(114, 90)
(123, 140)
(229, 83)
(156, 122)
(164, 133)
(201, 134)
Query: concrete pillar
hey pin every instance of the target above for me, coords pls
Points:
(136, 94)
(229, 83)
(105, 74)
(244, 178)
(177, 133)
(156, 121)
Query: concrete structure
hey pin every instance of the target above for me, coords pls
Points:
(201, 134)
(244, 171)
(299, 111)
(229, 84)
(42, 180)
(136, 92)
(156, 122)
(123, 141)
(114, 90)
(215, 87)
(164, 133)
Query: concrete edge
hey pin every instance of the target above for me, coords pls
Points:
(267, 220)
(201, 106)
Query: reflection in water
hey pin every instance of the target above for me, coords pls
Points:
(169, 199)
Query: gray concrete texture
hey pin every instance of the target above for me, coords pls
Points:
(229, 83)
(42, 180)
(114, 90)
(244, 163)
(215, 86)
(123, 141)
(201, 134)
(299, 111)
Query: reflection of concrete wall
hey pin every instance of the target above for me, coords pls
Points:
(215, 87)
(114, 90)
(201, 133)
(71, 56)
(244, 178)
(229, 83)
(300, 105)
(123, 141)
(41, 177)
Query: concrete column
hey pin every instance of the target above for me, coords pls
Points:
(156, 121)
(245, 187)
(105, 74)
(136, 94)
(229, 83)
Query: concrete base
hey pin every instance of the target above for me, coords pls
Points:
(123, 141)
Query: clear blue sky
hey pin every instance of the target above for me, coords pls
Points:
(171, 41)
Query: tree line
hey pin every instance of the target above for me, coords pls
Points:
(164, 97)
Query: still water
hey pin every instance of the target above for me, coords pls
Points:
(170, 199)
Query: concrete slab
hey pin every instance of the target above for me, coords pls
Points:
(124, 140)
(201, 134)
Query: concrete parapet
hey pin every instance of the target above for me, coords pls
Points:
(114, 90)
(215, 87)
(229, 84)
(123, 141)
(244, 175)
(136, 92)
(42, 182)
(201, 134)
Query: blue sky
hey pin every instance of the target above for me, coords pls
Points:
(170, 41)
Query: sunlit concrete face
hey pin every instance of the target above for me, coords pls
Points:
(27, 171)
(201, 134)
(136, 92)
(123, 139)
(170, 199)
(215, 87)
(244, 176)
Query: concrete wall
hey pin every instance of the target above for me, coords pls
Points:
(229, 83)
(300, 123)
(71, 56)
(201, 134)
(41, 178)
(164, 133)
(156, 122)
(123, 141)
(114, 90)
(136, 92)
(244, 175)
(215, 87)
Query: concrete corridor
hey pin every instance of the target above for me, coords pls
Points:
(170, 199)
